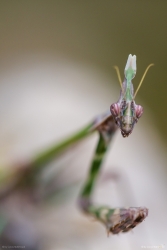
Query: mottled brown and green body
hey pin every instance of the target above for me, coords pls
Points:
(125, 112)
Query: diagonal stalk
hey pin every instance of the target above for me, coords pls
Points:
(26, 173)
(45, 157)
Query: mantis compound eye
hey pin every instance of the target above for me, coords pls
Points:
(115, 110)
(139, 111)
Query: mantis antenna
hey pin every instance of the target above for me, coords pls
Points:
(150, 65)
(119, 76)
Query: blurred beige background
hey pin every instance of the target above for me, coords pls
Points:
(100, 33)
(56, 73)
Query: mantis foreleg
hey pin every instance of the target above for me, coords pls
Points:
(116, 220)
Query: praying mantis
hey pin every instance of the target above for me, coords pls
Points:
(123, 115)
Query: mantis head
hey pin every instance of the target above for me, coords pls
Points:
(125, 112)
(124, 121)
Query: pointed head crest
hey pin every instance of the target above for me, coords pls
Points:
(130, 68)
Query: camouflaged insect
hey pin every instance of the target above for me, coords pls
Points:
(124, 114)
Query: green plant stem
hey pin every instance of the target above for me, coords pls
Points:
(27, 172)
(45, 157)
(48, 155)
